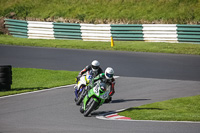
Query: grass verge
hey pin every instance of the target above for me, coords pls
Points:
(31, 79)
(132, 46)
(178, 109)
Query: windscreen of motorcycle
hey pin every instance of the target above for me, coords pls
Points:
(88, 77)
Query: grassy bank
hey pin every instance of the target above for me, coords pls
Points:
(30, 79)
(179, 109)
(104, 11)
(137, 46)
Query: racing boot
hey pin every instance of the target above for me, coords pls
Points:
(109, 100)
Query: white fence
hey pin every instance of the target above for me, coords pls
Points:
(95, 32)
(40, 30)
(160, 33)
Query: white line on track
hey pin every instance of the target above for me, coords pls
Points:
(36, 91)
(104, 118)
(41, 90)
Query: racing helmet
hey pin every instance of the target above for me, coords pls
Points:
(109, 72)
(95, 65)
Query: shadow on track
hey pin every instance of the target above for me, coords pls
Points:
(127, 100)
(95, 113)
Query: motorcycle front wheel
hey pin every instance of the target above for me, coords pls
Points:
(90, 106)
(81, 109)
(80, 97)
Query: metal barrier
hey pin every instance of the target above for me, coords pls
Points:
(160, 33)
(102, 32)
(40, 30)
(67, 31)
(127, 32)
(188, 33)
(17, 28)
(95, 32)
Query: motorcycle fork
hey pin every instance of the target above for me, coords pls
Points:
(76, 93)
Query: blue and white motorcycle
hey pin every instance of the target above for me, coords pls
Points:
(81, 87)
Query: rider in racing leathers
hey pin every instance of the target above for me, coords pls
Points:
(107, 78)
(95, 67)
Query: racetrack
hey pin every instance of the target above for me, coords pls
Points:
(131, 64)
(144, 78)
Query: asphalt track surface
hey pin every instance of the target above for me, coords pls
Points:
(144, 78)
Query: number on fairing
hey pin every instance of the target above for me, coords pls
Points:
(89, 77)
(105, 95)
(96, 90)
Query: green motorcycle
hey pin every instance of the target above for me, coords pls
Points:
(94, 98)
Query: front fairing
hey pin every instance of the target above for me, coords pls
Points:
(102, 94)
(97, 94)
(85, 79)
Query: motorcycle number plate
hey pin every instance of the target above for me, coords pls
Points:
(96, 90)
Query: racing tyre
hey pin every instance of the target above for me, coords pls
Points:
(6, 69)
(90, 106)
(81, 109)
(5, 77)
(4, 87)
(80, 97)
(5, 81)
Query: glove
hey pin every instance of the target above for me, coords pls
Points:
(78, 78)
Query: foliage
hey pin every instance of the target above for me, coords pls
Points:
(106, 11)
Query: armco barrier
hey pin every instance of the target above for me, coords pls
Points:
(43, 30)
(17, 28)
(67, 31)
(188, 33)
(127, 32)
(40, 30)
(160, 32)
(103, 32)
(95, 32)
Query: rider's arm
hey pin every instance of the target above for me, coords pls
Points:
(112, 87)
(84, 70)
(100, 71)
(98, 77)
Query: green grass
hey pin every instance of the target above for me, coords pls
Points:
(105, 11)
(179, 109)
(132, 46)
(30, 79)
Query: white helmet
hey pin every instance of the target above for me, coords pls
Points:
(109, 72)
(95, 65)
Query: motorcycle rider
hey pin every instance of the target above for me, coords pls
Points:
(95, 67)
(107, 78)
